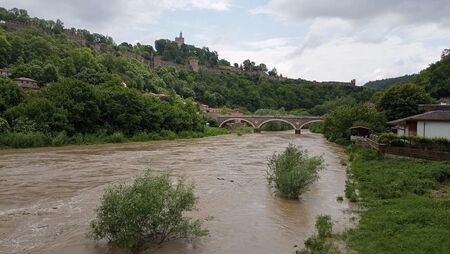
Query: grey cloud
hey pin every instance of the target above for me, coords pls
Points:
(125, 20)
(81, 13)
(366, 21)
(435, 11)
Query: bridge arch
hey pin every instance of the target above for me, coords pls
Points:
(276, 120)
(237, 119)
(312, 121)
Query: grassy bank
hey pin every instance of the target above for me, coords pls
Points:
(406, 204)
(38, 139)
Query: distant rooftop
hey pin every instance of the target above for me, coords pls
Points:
(434, 107)
(439, 115)
(25, 79)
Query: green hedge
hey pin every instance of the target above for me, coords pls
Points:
(441, 144)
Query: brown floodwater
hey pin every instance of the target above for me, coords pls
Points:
(48, 196)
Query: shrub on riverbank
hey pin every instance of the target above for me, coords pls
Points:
(321, 243)
(402, 215)
(292, 171)
(39, 139)
(439, 144)
(316, 127)
(23, 140)
(150, 211)
(337, 123)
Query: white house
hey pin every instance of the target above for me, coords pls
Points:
(429, 124)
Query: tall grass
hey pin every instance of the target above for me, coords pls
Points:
(23, 140)
(401, 216)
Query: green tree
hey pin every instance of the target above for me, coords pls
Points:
(263, 67)
(292, 171)
(338, 122)
(436, 78)
(83, 58)
(402, 100)
(4, 125)
(126, 110)
(150, 211)
(50, 73)
(224, 62)
(5, 51)
(330, 105)
(273, 72)
(10, 94)
(45, 115)
(79, 101)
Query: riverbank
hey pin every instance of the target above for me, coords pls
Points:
(406, 204)
(38, 139)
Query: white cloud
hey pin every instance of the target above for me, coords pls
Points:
(407, 11)
(338, 59)
(343, 59)
(362, 39)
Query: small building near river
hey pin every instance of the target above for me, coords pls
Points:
(430, 124)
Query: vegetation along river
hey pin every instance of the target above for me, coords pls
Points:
(48, 196)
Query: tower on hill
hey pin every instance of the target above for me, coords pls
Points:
(179, 40)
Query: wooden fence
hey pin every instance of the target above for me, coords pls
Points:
(411, 152)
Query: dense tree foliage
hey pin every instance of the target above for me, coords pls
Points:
(149, 212)
(254, 92)
(338, 122)
(73, 106)
(89, 84)
(401, 100)
(292, 171)
(436, 78)
(385, 83)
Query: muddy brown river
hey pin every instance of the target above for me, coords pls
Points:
(48, 196)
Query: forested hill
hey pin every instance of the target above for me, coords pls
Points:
(385, 83)
(90, 87)
(435, 79)
(47, 52)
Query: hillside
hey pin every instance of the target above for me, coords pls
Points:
(385, 83)
(47, 52)
(436, 78)
(91, 88)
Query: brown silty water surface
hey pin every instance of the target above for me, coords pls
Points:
(48, 196)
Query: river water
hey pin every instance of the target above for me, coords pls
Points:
(48, 195)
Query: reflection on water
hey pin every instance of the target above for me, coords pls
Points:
(48, 196)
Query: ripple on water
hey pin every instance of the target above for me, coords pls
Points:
(48, 195)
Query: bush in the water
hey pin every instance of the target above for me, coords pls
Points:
(324, 226)
(150, 211)
(292, 171)
(322, 243)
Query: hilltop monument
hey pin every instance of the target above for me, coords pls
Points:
(179, 40)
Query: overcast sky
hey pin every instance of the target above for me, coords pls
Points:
(310, 39)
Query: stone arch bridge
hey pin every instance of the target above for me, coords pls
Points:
(257, 121)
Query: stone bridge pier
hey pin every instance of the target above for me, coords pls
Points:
(257, 121)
